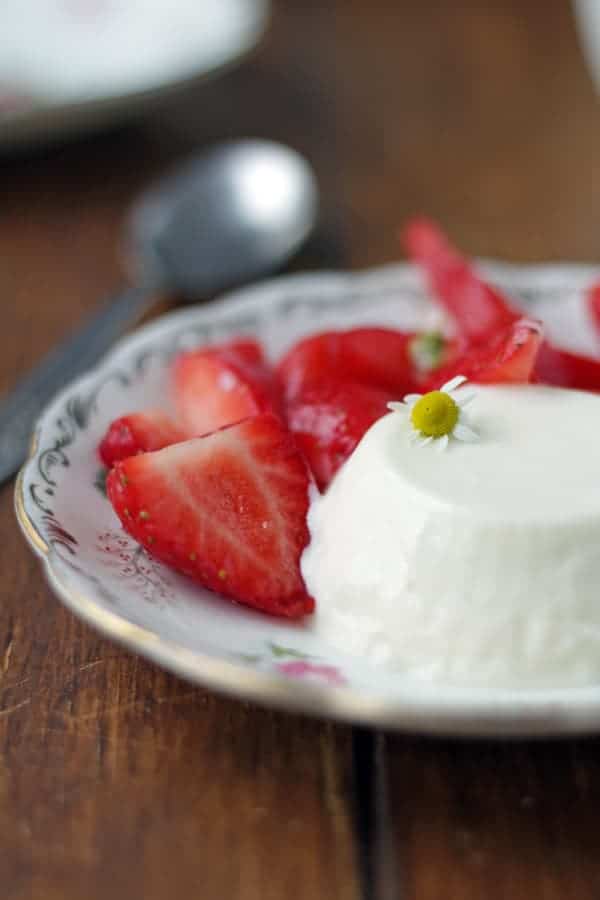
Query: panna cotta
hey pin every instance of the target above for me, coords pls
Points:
(478, 564)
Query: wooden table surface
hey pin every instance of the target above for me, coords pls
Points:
(118, 780)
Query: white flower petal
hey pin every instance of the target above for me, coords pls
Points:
(442, 442)
(411, 399)
(464, 400)
(464, 433)
(453, 384)
(426, 440)
(397, 406)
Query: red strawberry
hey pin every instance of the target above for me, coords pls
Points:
(329, 419)
(244, 351)
(565, 369)
(509, 358)
(479, 310)
(228, 509)
(593, 300)
(379, 357)
(482, 312)
(138, 433)
(221, 385)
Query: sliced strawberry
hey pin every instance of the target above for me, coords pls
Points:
(380, 357)
(248, 356)
(138, 433)
(211, 394)
(221, 385)
(593, 300)
(329, 419)
(509, 358)
(244, 351)
(228, 510)
(479, 310)
(565, 369)
(481, 313)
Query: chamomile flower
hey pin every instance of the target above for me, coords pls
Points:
(438, 415)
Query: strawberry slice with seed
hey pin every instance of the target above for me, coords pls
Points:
(228, 510)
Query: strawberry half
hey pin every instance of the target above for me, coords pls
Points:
(379, 357)
(228, 510)
(329, 419)
(221, 385)
(509, 358)
(479, 310)
(138, 433)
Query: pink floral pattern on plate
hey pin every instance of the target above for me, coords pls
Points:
(135, 565)
(307, 671)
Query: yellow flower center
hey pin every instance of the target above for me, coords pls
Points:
(434, 414)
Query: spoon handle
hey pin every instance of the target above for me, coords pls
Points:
(20, 408)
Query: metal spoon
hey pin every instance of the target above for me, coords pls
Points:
(233, 214)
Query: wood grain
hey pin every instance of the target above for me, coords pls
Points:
(496, 820)
(480, 114)
(117, 779)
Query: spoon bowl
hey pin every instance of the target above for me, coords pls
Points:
(231, 215)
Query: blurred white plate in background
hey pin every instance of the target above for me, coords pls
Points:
(73, 65)
(587, 16)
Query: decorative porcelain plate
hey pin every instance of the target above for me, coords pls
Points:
(70, 66)
(111, 583)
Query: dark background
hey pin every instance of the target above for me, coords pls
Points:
(116, 779)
